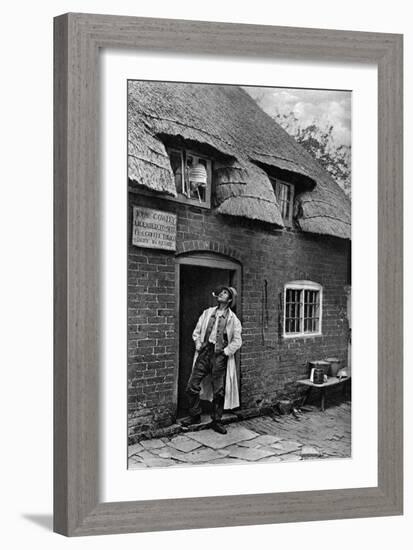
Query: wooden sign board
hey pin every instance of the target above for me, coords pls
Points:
(153, 228)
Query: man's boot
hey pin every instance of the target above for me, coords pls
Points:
(217, 410)
(191, 421)
(218, 427)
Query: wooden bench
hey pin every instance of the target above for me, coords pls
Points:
(331, 381)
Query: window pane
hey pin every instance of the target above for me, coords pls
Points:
(202, 191)
(192, 174)
(302, 311)
(196, 189)
(284, 194)
(293, 310)
(176, 165)
(311, 308)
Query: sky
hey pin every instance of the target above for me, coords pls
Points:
(324, 107)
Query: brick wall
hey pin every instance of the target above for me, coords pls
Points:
(269, 363)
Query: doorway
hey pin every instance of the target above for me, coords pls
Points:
(199, 276)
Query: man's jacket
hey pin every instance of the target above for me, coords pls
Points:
(233, 330)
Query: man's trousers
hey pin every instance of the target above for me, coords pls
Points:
(214, 364)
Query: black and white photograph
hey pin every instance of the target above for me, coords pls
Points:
(204, 330)
(239, 274)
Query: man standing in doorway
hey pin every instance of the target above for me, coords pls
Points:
(217, 337)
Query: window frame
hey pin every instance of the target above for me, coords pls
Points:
(182, 198)
(302, 286)
(276, 182)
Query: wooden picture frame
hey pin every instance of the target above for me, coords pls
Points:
(77, 506)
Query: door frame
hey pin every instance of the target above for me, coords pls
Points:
(202, 259)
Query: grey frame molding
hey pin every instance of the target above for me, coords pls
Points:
(77, 507)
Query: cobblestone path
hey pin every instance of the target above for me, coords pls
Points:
(314, 435)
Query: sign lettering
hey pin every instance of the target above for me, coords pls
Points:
(153, 228)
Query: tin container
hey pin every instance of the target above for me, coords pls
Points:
(318, 376)
(323, 365)
(335, 365)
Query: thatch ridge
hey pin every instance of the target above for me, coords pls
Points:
(228, 120)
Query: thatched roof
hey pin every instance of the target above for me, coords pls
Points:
(248, 145)
(243, 190)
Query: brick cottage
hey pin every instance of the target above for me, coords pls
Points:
(218, 193)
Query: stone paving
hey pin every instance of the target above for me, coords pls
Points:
(313, 435)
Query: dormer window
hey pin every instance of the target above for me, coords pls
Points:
(284, 193)
(192, 173)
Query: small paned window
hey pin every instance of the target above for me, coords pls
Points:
(192, 174)
(302, 308)
(284, 193)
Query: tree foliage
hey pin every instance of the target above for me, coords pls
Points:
(319, 142)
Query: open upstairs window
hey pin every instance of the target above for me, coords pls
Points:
(303, 301)
(193, 174)
(284, 193)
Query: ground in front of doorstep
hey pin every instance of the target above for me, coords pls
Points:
(313, 435)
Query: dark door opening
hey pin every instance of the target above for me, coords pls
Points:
(196, 286)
